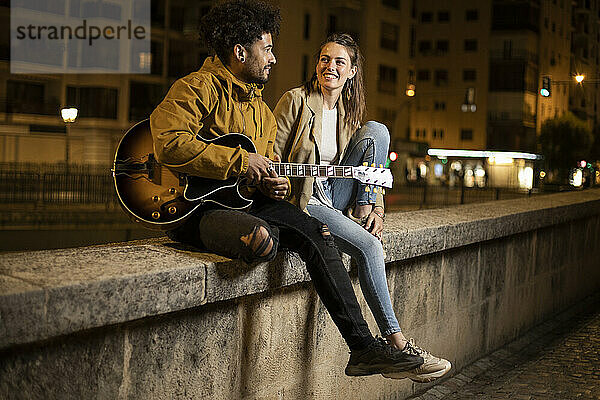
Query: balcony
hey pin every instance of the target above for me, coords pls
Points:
(516, 16)
(514, 55)
(12, 106)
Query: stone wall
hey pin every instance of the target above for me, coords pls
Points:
(158, 320)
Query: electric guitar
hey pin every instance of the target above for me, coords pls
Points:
(160, 198)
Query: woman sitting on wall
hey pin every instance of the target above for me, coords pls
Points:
(321, 123)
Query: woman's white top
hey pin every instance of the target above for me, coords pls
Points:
(329, 146)
(328, 152)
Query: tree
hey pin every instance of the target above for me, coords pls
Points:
(565, 141)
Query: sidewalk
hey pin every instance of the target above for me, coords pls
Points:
(558, 360)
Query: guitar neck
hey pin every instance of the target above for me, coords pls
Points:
(300, 170)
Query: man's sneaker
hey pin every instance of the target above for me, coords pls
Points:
(431, 369)
(379, 357)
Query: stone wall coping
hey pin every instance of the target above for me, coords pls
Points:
(44, 294)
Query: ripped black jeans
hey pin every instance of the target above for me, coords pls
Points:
(269, 225)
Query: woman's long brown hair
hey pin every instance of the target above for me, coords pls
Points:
(353, 93)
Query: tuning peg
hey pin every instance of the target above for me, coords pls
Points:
(382, 191)
(380, 165)
(373, 165)
(365, 163)
(367, 189)
(374, 190)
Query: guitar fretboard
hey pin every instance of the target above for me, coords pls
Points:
(337, 171)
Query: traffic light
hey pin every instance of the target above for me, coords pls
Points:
(546, 89)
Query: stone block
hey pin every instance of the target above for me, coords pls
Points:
(521, 258)
(84, 366)
(192, 355)
(416, 290)
(462, 284)
(472, 332)
(121, 284)
(493, 265)
(542, 248)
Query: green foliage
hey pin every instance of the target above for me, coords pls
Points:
(565, 141)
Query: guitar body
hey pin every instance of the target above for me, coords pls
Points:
(159, 198)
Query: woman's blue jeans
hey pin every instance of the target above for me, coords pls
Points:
(369, 144)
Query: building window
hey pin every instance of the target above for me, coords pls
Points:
(26, 98)
(331, 24)
(143, 98)
(306, 33)
(425, 47)
(94, 102)
(177, 18)
(395, 4)
(439, 105)
(387, 79)
(421, 133)
(156, 63)
(387, 117)
(441, 77)
(426, 17)
(389, 36)
(443, 16)
(472, 15)
(438, 134)
(469, 75)
(157, 13)
(470, 44)
(183, 58)
(466, 134)
(413, 42)
(423, 75)
(442, 46)
(304, 77)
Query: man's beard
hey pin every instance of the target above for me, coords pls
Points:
(256, 74)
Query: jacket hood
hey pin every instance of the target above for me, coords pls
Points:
(244, 91)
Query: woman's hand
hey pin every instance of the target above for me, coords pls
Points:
(374, 222)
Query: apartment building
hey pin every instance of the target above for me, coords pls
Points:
(31, 128)
(449, 45)
(585, 60)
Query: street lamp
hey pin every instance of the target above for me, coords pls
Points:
(579, 78)
(69, 115)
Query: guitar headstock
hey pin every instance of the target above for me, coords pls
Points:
(373, 176)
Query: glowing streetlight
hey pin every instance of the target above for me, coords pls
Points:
(579, 78)
(69, 114)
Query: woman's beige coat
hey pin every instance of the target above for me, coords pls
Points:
(299, 120)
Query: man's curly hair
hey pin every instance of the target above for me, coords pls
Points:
(238, 21)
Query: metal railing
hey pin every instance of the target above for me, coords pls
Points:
(421, 196)
(48, 184)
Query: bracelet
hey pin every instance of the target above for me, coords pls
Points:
(379, 214)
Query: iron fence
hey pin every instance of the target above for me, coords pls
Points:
(421, 196)
(47, 184)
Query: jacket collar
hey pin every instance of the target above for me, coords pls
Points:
(315, 103)
(243, 91)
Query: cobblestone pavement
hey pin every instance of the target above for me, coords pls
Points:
(558, 360)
